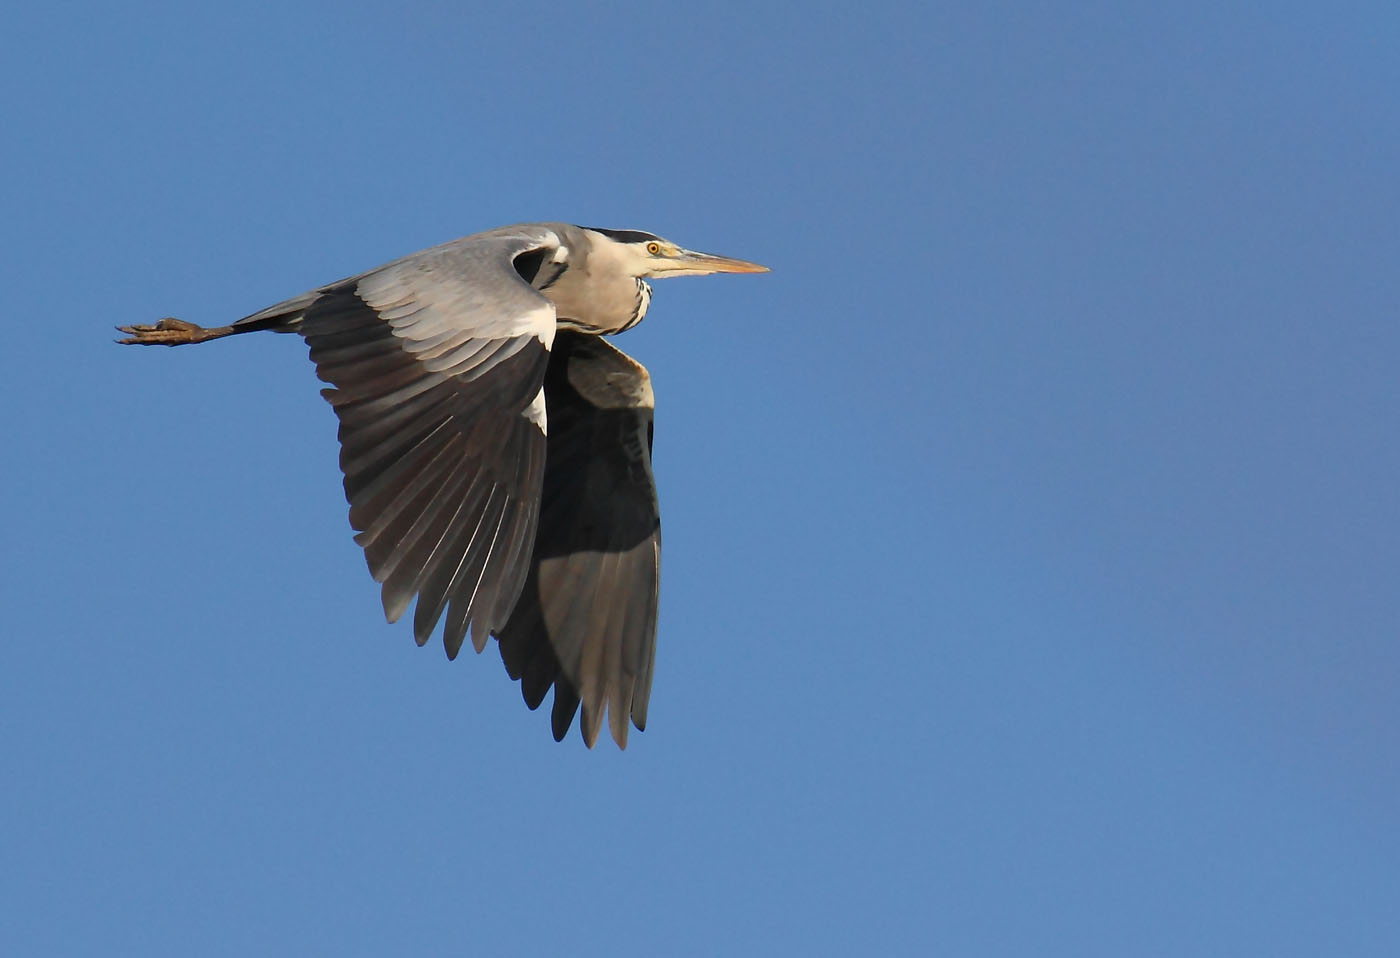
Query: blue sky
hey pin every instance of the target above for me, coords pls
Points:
(1031, 531)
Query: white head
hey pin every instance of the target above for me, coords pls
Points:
(647, 255)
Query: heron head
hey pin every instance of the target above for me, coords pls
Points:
(647, 255)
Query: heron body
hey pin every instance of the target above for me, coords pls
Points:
(497, 452)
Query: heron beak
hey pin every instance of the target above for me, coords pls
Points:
(691, 263)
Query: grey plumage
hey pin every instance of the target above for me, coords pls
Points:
(588, 611)
(496, 453)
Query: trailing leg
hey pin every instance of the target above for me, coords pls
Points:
(172, 332)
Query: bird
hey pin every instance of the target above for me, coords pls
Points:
(496, 449)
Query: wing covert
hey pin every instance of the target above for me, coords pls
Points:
(437, 363)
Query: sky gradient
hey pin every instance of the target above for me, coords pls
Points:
(1031, 532)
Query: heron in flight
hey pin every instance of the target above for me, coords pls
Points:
(497, 451)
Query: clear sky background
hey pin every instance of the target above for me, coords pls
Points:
(1031, 531)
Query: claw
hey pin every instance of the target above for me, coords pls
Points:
(170, 332)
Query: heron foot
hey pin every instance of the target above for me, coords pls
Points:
(170, 332)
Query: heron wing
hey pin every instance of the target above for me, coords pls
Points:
(437, 363)
(586, 621)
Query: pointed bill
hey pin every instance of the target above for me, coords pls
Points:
(710, 263)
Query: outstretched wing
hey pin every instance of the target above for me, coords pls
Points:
(586, 621)
(438, 362)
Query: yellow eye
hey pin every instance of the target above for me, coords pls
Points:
(654, 249)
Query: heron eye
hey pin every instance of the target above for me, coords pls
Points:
(654, 249)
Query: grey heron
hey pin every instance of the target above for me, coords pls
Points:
(497, 452)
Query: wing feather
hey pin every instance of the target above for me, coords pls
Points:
(434, 361)
(586, 620)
